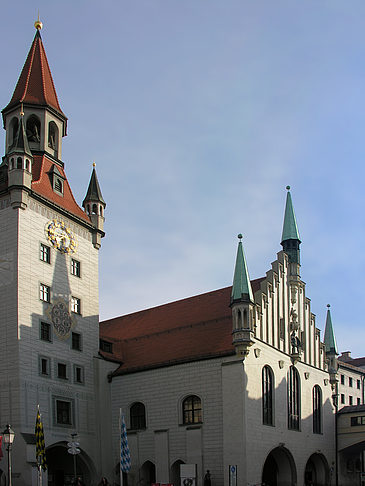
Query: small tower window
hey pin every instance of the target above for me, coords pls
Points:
(95, 209)
(14, 126)
(58, 186)
(101, 211)
(33, 129)
(19, 164)
(11, 163)
(53, 136)
(27, 164)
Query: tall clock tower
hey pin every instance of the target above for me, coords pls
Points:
(49, 284)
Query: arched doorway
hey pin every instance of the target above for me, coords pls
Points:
(316, 471)
(147, 474)
(61, 466)
(279, 468)
(175, 473)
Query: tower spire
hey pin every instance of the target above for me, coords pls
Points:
(290, 239)
(329, 335)
(241, 288)
(94, 206)
(242, 304)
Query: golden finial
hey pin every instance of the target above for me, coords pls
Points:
(38, 24)
(94, 165)
(21, 110)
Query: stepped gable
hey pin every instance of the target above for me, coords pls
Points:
(42, 185)
(191, 329)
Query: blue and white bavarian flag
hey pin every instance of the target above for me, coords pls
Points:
(125, 457)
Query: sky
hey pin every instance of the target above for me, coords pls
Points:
(198, 114)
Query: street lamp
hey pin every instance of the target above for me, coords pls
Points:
(8, 436)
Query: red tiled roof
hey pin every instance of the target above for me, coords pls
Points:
(195, 328)
(357, 362)
(42, 185)
(35, 84)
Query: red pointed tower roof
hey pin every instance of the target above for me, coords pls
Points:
(35, 85)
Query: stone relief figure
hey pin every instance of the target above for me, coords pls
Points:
(295, 343)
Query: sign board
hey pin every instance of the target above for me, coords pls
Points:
(232, 475)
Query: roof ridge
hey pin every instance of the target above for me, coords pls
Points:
(170, 330)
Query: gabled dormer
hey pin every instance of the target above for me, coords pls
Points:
(45, 124)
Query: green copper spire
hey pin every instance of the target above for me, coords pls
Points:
(329, 335)
(290, 228)
(290, 239)
(241, 288)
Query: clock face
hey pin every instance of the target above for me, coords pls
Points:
(61, 237)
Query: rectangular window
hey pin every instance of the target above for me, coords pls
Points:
(342, 379)
(75, 268)
(75, 305)
(62, 371)
(45, 253)
(46, 331)
(63, 412)
(78, 374)
(342, 398)
(76, 341)
(358, 401)
(106, 346)
(350, 381)
(44, 293)
(350, 400)
(44, 366)
(357, 420)
(358, 384)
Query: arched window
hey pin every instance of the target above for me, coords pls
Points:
(293, 399)
(138, 416)
(19, 163)
(33, 129)
(267, 396)
(53, 136)
(11, 163)
(27, 164)
(317, 410)
(95, 209)
(192, 410)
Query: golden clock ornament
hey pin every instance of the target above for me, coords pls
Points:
(61, 237)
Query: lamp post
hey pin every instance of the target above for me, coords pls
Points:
(8, 436)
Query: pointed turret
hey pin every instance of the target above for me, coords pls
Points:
(241, 288)
(45, 123)
(19, 161)
(290, 239)
(94, 206)
(242, 303)
(331, 350)
(329, 335)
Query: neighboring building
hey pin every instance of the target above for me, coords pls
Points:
(234, 377)
(49, 310)
(351, 374)
(351, 445)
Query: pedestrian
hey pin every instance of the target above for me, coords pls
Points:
(207, 480)
(103, 482)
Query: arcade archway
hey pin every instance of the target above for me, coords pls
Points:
(316, 471)
(279, 468)
(61, 466)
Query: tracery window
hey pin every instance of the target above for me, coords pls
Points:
(192, 410)
(267, 396)
(293, 399)
(317, 410)
(138, 416)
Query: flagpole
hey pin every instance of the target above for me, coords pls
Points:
(120, 448)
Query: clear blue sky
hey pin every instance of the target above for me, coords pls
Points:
(198, 113)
